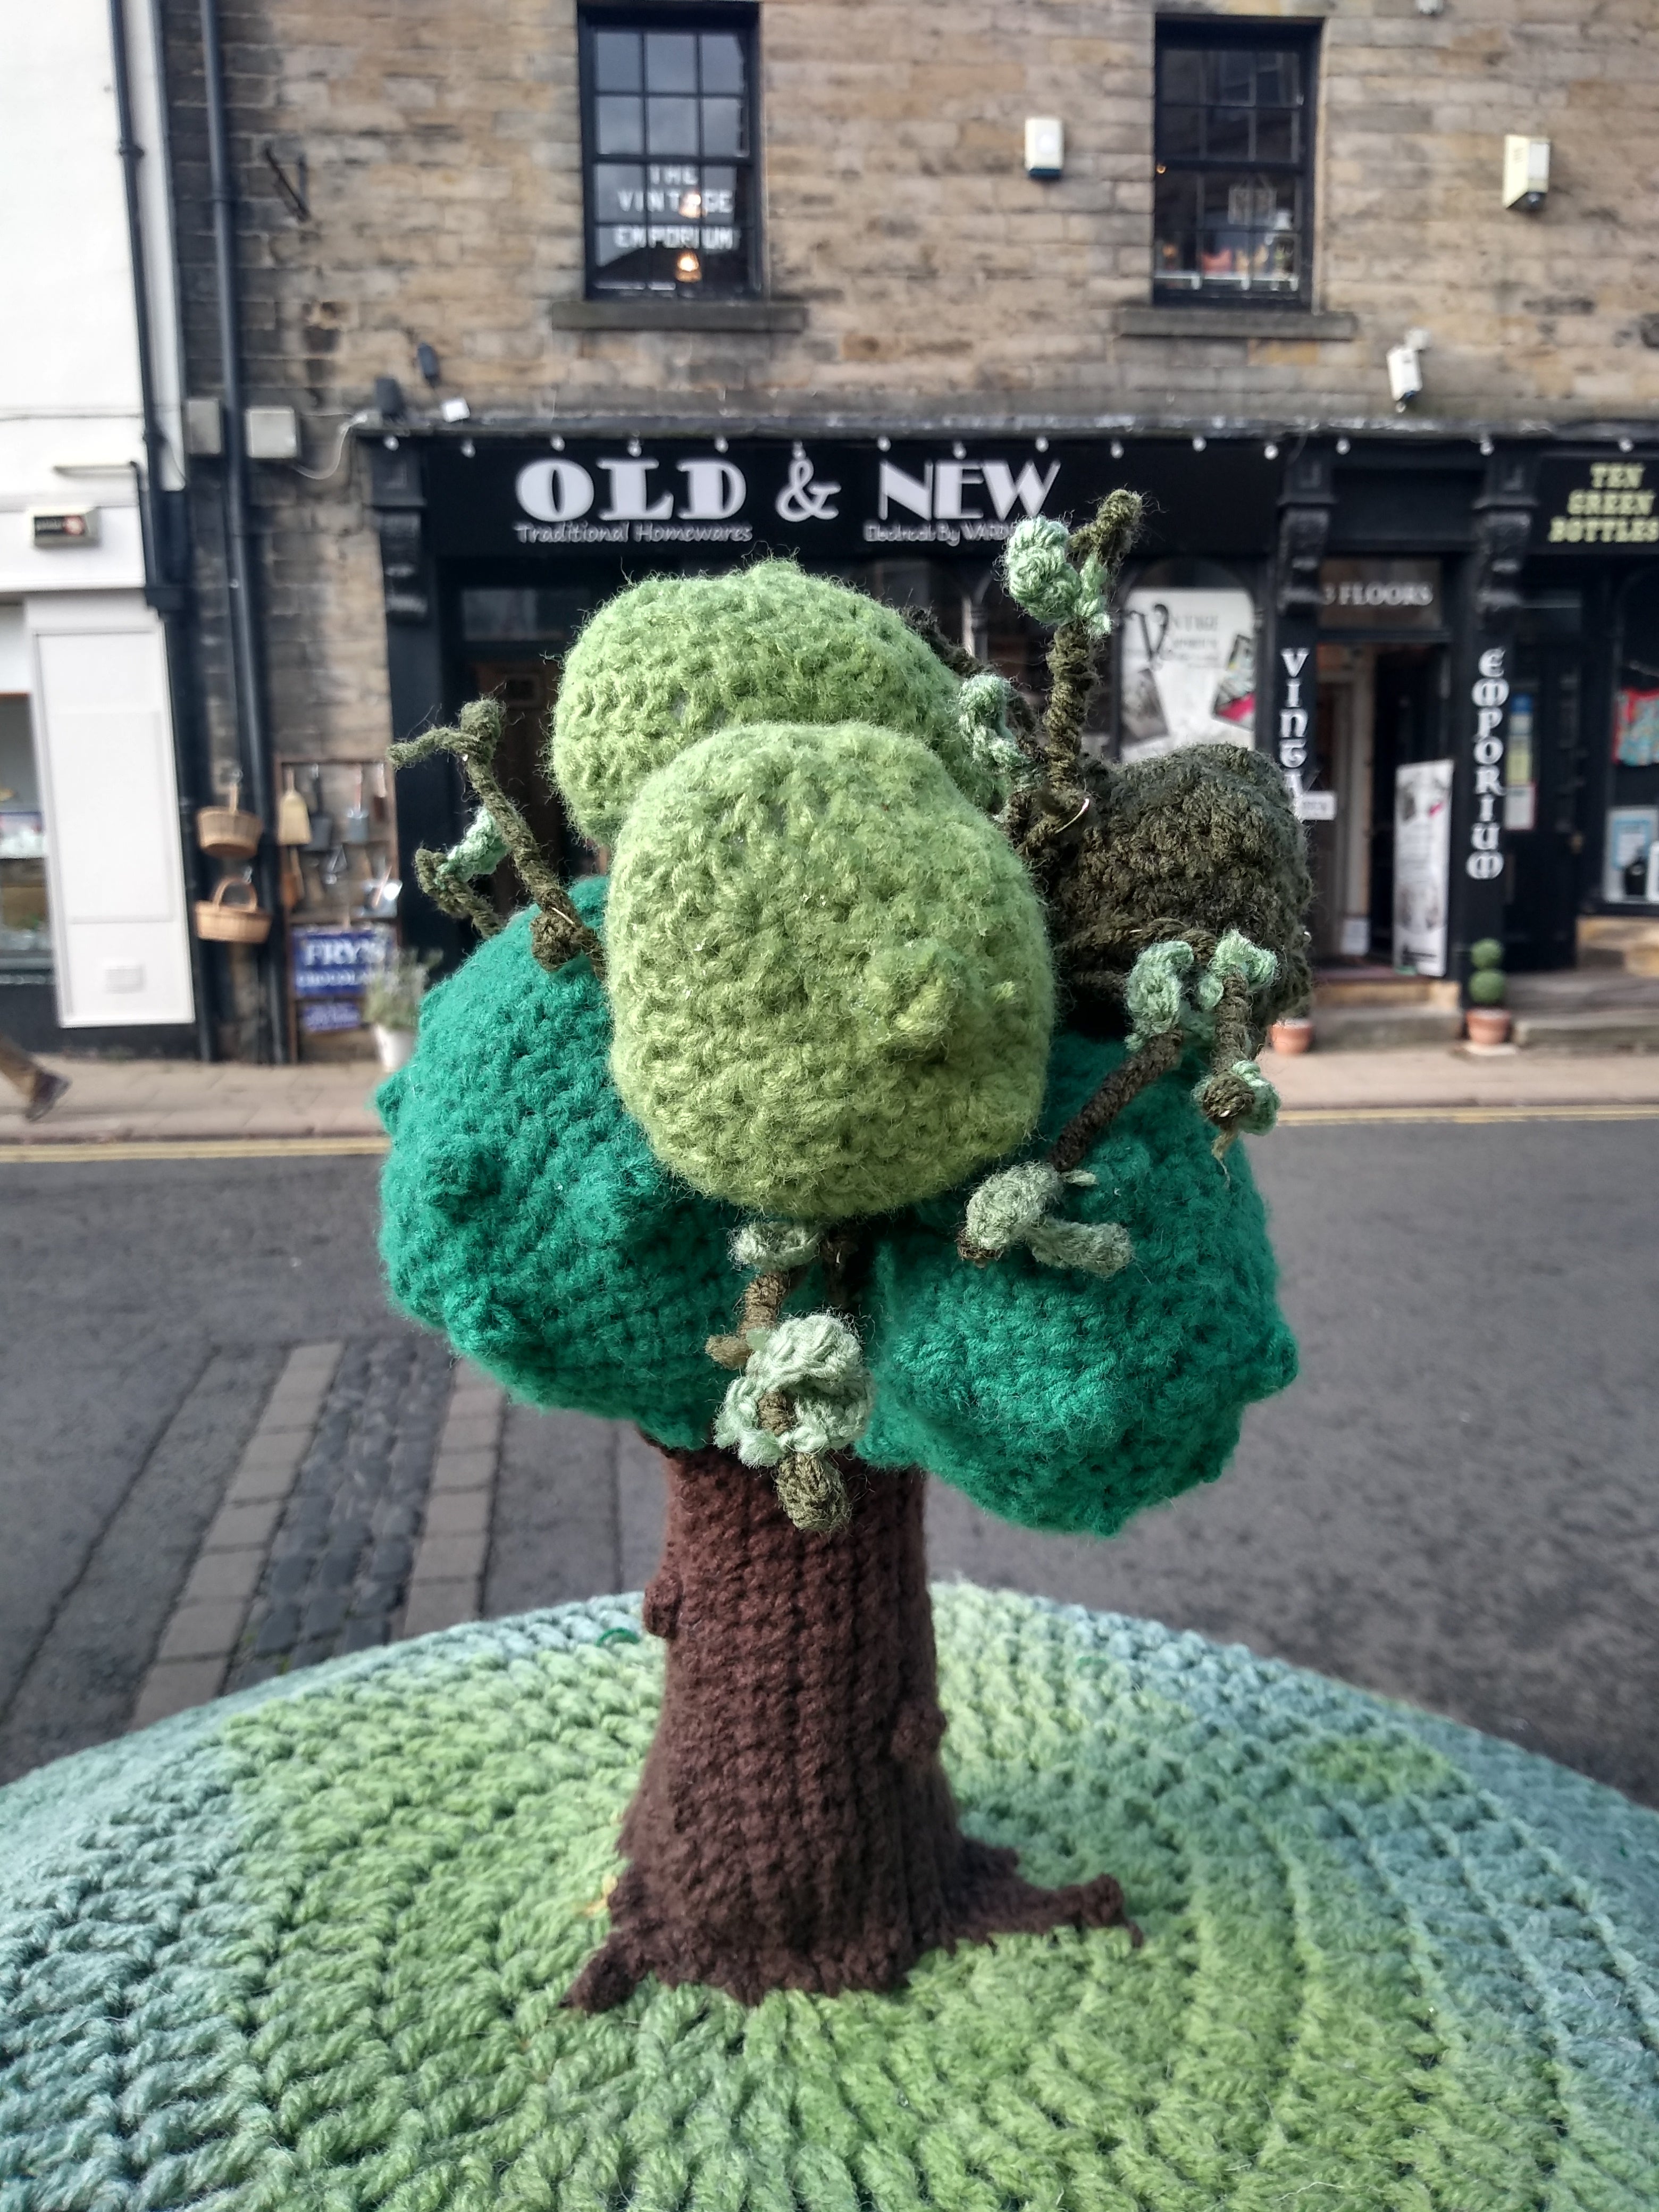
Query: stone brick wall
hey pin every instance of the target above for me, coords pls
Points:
(441, 150)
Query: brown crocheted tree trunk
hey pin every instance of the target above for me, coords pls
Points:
(794, 1827)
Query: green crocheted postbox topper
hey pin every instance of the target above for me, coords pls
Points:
(677, 658)
(829, 973)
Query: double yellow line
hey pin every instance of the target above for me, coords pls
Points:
(70, 1152)
(73, 1152)
(1315, 1117)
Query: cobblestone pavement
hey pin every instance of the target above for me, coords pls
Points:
(338, 1568)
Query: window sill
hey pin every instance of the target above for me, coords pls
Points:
(647, 314)
(1213, 322)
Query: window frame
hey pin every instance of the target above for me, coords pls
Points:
(1209, 33)
(741, 16)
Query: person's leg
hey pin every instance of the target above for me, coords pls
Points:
(41, 1089)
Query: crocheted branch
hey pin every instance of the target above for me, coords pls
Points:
(1016, 1207)
(803, 1392)
(1127, 1080)
(1065, 580)
(558, 933)
(794, 1827)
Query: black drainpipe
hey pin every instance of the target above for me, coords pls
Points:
(240, 577)
(165, 587)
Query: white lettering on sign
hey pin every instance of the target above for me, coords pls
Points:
(1488, 694)
(555, 491)
(630, 495)
(898, 486)
(714, 490)
(941, 492)
(1310, 806)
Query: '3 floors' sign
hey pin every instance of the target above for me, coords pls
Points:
(826, 499)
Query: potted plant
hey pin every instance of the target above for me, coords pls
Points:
(391, 1005)
(1291, 1033)
(1488, 1018)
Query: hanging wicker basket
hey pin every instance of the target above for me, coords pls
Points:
(229, 832)
(238, 921)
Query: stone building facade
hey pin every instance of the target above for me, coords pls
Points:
(416, 176)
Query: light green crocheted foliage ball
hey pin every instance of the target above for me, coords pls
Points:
(679, 656)
(523, 1213)
(1062, 1400)
(303, 1952)
(828, 972)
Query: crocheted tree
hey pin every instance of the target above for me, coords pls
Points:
(770, 1143)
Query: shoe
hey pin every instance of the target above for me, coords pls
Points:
(48, 1090)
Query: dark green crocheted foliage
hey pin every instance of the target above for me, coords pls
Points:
(523, 1214)
(1204, 839)
(526, 1217)
(1061, 1400)
(679, 656)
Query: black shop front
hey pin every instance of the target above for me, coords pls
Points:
(1437, 666)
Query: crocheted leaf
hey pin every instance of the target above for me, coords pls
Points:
(678, 657)
(830, 974)
(1061, 1399)
(523, 1214)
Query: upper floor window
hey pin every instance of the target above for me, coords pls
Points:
(668, 134)
(1233, 192)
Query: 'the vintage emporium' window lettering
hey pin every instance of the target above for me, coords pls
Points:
(667, 126)
(1616, 507)
(1233, 163)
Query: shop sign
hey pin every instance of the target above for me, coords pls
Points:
(1490, 695)
(335, 962)
(824, 500)
(1188, 670)
(1380, 595)
(1422, 850)
(1294, 717)
(1586, 507)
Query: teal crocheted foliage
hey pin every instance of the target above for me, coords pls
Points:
(304, 1951)
(1062, 1400)
(523, 1214)
(677, 657)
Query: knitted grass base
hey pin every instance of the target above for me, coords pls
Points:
(305, 1949)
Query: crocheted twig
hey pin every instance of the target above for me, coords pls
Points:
(802, 1389)
(558, 933)
(1016, 1206)
(451, 893)
(1065, 581)
(1133, 1074)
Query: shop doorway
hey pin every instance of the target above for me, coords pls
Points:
(1381, 707)
(1544, 796)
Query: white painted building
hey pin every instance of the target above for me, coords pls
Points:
(94, 925)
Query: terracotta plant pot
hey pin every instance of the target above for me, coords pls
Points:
(1487, 1024)
(1294, 1034)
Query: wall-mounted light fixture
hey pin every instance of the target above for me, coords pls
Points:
(1526, 172)
(1045, 146)
(426, 360)
(1405, 368)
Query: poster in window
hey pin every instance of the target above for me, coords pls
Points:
(1632, 832)
(1422, 858)
(1636, 729)
(1188, 660)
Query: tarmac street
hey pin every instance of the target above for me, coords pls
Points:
(220, 1454)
